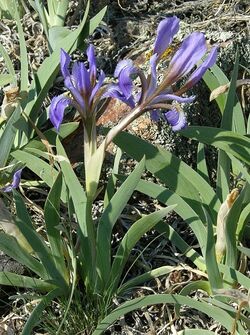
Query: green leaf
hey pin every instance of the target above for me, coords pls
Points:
(213, 79)
(201, 162)
(15, 280)
(245, 251)
(133, 235)
(21, 210)
(6, 79)
(147, 276)
(231, 228)
(8, 64)
(82, 212)
(214, 276)
(108, 220)
(177, 175)
(23, 52)
(8, 136)
(233, 143)
(43, 253)
(186, 212)
(42, 169)
(216, 313)
(66, 129)
(10, 246)
(193, 287)
(36, 315)
(56, 34)
(242, 222)
(52, 221)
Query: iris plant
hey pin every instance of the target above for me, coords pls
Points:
(160, 98)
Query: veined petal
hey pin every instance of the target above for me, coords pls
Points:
(121, 65)
(191, 51)
(64, 62)
(165, 97)
(114, 91)
(97, 85)
(176, 119)
(153, 75)
(92, 63)
(56, 111)
(199, 72)
(81, 79)
(15, 182)
(75, 92)
(166, 30)
(123, 71)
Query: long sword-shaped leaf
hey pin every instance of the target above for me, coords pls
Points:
(216, 313)
(8, 136)
(83, 213)
(177, 175)
(108, 220)
(133, 235)
(168, 198)
(52, 221)
(233, 143)
(36, 314)
(10, 246)
(15, 280)
(43, 253)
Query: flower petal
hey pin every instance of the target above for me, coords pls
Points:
(199, 72)
(123, 71)
(176, 119)
(75, 92)
(166, 97)
(15, 182)
(165, 32)
(155, 116)
(64, 62)
(56, 111)
(153, 76)
(114, 91)
(80, 76)
(97, 85)
(121, 65)
(191, 51)
(92, 63)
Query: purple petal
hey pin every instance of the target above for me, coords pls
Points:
(199, 72)
(191, 51)
(75, 92)
(114, 91)
(165, 33)
(56, 111)
(155, 116)
(166, 97)
(176, 119)
(64, 62)
(92, 62)
(80, 76)
(153, 76)
(121, 65)
(97, 86)
(15, 182)
(123, 71)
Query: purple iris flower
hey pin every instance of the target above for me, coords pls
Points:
(83, 85)
(154, 95)
(15, 182)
